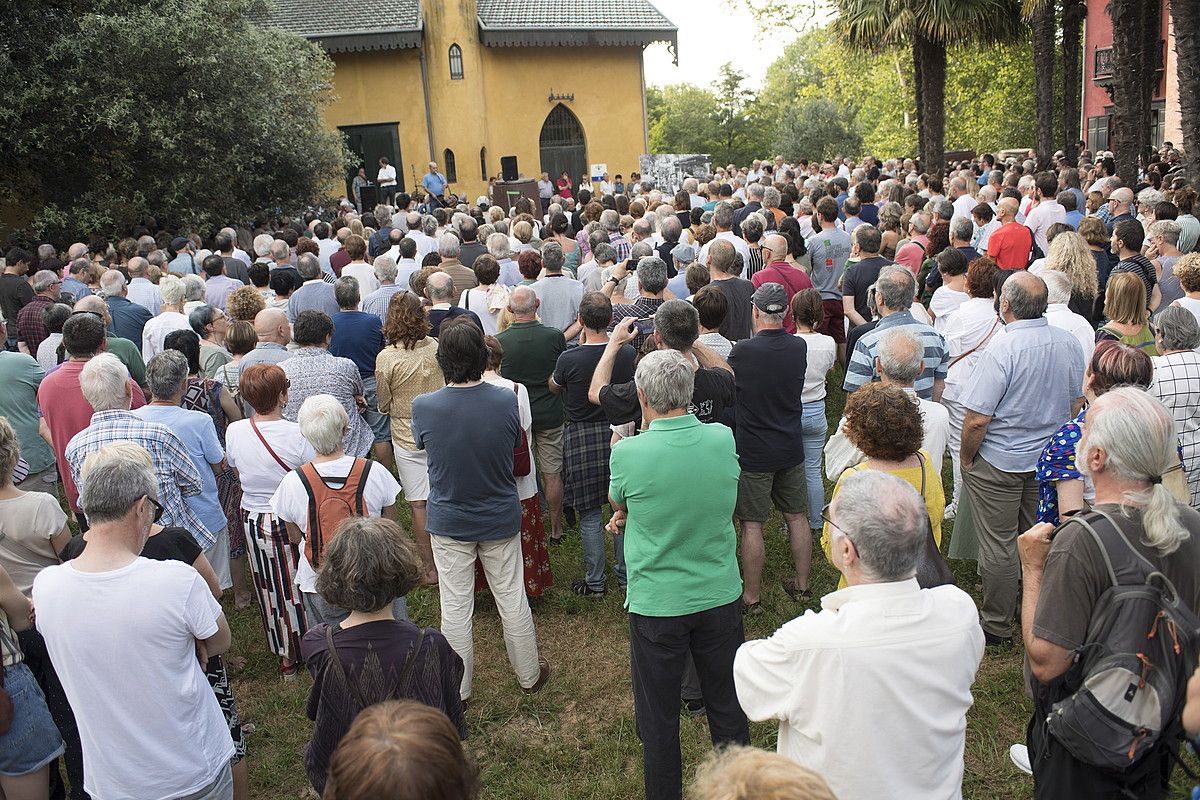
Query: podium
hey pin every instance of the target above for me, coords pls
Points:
(505, 193)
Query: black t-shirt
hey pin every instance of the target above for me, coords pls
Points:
(856, 332)
(768, 371)
(574, 371)
(169, 544)
(711, 395)
(859, 278)
(738, 292)
(15, 292)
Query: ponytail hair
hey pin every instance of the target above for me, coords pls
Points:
(1138, 435)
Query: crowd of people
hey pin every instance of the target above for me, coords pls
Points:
(652, 370)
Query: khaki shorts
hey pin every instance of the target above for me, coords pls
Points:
(413, 468)
(787, 488)
(548, 450)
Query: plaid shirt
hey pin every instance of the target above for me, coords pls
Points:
(31, 322)
(173, 467)
(642, 308)
(621, 246)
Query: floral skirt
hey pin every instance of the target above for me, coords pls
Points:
(273, 562)
(229, 492)
(536, 557)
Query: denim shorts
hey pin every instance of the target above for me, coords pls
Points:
(33, 741)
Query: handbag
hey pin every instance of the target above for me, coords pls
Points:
(932, 569)
(522, 463)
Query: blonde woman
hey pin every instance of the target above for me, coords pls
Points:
(1069, 254)
(1128, 316)
(747, 773)
(1187, 269)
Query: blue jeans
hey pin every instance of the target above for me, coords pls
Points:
(381, 424)
(592, 533)
(813, 427)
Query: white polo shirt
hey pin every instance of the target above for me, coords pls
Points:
(873, 691)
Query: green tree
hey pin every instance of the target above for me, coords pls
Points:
(817, 127)
(738, 140)
(682, 119)
(927, 28)
(181, 110)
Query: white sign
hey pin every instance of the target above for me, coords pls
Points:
(599, 171)
(668, 171)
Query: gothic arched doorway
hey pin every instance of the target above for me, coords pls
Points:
(562, 144)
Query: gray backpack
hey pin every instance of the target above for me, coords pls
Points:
(1141, 646)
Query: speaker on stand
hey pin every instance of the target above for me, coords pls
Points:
(508, 168)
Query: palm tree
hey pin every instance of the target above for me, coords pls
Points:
(1185, 18)
(1041, 17)
(1135, 57)
(1073, 14)
(926, 27)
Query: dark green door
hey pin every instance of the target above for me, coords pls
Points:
(562, 144)
(371, 143)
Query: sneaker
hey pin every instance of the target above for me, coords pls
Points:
(951, 510)
(694, 708)
(1019, 754)
(583, 590)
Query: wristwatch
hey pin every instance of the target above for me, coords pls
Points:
(614, 279)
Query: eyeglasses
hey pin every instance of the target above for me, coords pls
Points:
(158, 509)
(825, 516)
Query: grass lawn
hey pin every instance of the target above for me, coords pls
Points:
(576, 739)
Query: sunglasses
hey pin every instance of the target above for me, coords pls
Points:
(829, 521)
(158, 509)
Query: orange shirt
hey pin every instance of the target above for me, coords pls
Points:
(1010, 245)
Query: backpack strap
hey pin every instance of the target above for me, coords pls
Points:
(308, 475)
(336, 662)
(1123, 570)
(362, 469)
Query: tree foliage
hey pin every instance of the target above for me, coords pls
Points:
(688, 119)
(181, 110)
(817, 127)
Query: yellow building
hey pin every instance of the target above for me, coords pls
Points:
(557, 85)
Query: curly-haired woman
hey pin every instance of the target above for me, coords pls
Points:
(884, 422)
(408, 367)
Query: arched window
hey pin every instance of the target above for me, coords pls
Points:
(483, 163)
(456, 69)
(451, 170)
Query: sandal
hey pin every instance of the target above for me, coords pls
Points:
(289, 672)
(752, 609)
(583, 590)
(555, 541)
(799, 595)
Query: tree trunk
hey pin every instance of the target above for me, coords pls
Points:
(1044, 28)
(933, 102)
(1185, 14)
(918, 95)
(1133, 73)
(1152, 59)
(1074, 12)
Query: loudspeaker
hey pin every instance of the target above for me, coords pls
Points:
(508, 168)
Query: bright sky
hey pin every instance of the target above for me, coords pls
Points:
(712, 32)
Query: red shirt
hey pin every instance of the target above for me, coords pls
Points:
(67, 413)
(1010, 245)
(787, 276)
(338, 260)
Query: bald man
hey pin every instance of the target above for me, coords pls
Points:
(1011, 243)
(778, 270)
(1120, 207)
(140, 289)
(440, 291)
(126, 351)
(274, 334)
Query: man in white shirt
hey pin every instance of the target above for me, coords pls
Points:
(1047, 211)
(140, 289)
(125, 634)
(961, 198)
(872, 692)
(386, 180)
(326, 244)
(1058, 286)
(423, 231)
(899, 360)
(723, 221)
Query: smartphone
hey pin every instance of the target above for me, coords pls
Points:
(645, 325)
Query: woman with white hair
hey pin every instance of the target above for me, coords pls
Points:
(1177, 385)
(210, 324)
(499, 249)
(170, 317)
(193, 293)
(331, 479)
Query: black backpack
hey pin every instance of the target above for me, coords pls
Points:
(1141, 647)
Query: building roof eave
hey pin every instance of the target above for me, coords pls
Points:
(574, 37)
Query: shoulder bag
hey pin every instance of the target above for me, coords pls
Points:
(522, 464)
(932, 569)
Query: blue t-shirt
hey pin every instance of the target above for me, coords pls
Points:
(357, 336)
(434, 183)
(469, 435)
(195, 429)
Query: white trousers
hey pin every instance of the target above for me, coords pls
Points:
(504, 568)
(958, 412)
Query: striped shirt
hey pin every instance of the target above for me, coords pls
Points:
(861, 369)
(173, 467)
(377, 301)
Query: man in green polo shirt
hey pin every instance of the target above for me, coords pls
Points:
(684, 593)
(531, 352)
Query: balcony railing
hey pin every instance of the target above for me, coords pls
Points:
(1102, 66)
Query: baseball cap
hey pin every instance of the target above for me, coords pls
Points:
(178, 243)
(684, 252)
(770, 298)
